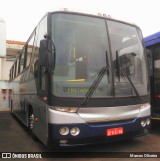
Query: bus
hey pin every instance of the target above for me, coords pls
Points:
(82, 79)
(152, 44)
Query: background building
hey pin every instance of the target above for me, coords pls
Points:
(12, 49)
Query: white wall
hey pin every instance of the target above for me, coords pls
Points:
(5, 68)
(2, 38)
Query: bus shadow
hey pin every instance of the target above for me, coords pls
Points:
(99, 148)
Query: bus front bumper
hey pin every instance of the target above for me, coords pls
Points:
(96, 133)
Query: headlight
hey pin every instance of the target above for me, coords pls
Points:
(148, 121)
(74, 131)
(65, 109)
(143, 123)
(64, 131)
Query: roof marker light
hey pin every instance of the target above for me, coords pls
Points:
(65, 9)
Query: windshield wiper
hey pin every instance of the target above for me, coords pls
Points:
(124, 72)
(94, 85)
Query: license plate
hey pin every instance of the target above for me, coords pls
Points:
(115, 131)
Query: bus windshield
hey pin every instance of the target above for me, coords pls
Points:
(127, 50)
(83, 50)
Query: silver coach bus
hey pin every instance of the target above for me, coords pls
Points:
(82, 79)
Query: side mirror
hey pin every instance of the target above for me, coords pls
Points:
(47, 53)
(43, 53)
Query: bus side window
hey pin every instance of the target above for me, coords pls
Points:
(11, 73)
(19, 64)
(29, 49)
(17, 69)
(15, 66)
(22, 61)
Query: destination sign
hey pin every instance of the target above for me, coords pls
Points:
(80, 90)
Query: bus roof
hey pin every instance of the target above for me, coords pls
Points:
(92, 13)
(152, 39)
